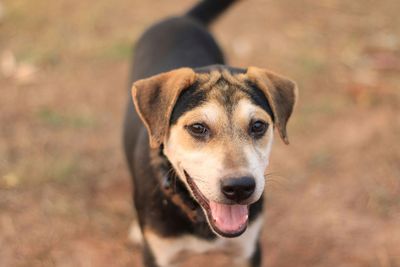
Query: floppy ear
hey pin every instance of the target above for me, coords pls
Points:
(281, 94)
(155, 98)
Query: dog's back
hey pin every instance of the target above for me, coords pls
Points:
(179, 42)
(176, 42)
(199, 144)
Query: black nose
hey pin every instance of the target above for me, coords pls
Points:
(238, 189)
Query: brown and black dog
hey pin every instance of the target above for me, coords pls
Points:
(197, 139)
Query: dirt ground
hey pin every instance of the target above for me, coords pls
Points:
(333, 196)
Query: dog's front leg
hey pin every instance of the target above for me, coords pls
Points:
(148, 256)
(253, 260)
(249, 243)
(160, 251)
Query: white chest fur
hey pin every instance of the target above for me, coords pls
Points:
(167, 250)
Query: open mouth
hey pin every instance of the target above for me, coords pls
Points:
(226, 220)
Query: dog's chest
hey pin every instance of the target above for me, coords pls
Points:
(170, 250)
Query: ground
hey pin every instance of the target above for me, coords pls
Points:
(333, 196)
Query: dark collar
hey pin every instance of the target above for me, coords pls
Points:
(174, 189)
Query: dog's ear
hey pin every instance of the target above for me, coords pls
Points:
(155, 98)
(281, 94)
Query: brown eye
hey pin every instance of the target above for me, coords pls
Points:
(198, 130)
(258, 128)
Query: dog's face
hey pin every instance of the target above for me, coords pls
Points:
(217, 131)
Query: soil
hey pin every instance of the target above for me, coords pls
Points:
(332, 196)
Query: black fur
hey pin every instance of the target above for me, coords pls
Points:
(173, 43)
(148, 257)
(188, 100)
(207, 11)
(258, 98)
(191, 97)
(256, 258)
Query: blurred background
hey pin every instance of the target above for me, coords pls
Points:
(333, 198)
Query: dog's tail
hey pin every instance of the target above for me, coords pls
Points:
(206, 11)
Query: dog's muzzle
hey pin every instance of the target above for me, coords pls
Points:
(228, 220)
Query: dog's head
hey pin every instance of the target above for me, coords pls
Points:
(216, 128)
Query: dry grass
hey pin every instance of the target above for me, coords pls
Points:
(334, 196)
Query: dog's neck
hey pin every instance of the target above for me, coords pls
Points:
(173, 188)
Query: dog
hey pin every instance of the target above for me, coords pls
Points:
(197, 139)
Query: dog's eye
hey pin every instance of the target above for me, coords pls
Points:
(258, 128)
(198, 130)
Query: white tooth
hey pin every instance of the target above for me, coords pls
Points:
(247, 216)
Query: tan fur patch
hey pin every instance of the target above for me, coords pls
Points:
(281, 93)
(227, 106)
(230, 152)
(155, 97)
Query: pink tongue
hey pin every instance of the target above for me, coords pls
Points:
(229, 218)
